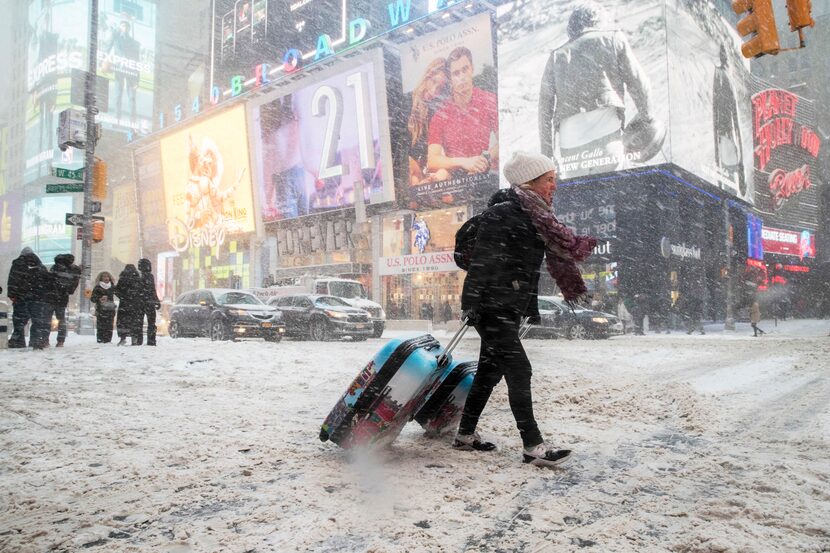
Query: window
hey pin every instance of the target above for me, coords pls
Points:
(186, 299)
(302, 301)
(331, 300)
(236, 298)
(284, 301)
(206, 297)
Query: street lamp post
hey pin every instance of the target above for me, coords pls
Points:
(84, 319)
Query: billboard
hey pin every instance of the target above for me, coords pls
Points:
(207, 182)
(248, 33)
(126, 58)
(44, 226)
(151, 198)
(124, 230)
(314, 143)
(710, 119)
(585, 83)
(786, 153)
(451, 112)
(57, 44)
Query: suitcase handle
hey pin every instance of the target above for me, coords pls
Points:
(444, 358)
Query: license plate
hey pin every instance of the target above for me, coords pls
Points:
(266, 325)
(360, 326)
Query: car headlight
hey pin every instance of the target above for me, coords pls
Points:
(237, 312)
(336, 314)
(599, 319)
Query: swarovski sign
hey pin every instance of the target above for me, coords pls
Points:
(667, 249)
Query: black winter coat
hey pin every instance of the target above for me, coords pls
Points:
(65, 278)
(99, 294)
(29, 279)
(149, 297)
(131, 305)
(503, 277)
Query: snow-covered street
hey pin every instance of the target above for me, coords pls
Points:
(682, 443)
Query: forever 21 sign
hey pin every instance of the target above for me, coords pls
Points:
(311, 235)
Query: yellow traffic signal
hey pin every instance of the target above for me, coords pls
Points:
(97, 231)
(99, 180)
(759, 20)
(800, 14)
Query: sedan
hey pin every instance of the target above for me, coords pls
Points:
(224, 314)
(323, 317)
(558, 319)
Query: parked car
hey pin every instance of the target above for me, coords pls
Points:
(578, 324)
(224, 314)
(322, 317)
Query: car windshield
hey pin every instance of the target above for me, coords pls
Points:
(347, 289)
(328, 301)
(236, 298)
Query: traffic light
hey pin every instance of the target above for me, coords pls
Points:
(799, 12)
(759, 21)
(99, 180)
(97, 231)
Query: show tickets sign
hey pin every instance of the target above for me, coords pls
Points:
(435, 262)
(786, 152)
(789, 242)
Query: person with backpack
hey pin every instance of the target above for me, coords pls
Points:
(149, 299)
(130, 307)
(65, 278)
(514, 236)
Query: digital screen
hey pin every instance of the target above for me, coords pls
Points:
(126, 58)
(314, 144)
(451, 114)
(57, 43)
(573, 82)
(709, 84)
(44, 226)
(207, 182)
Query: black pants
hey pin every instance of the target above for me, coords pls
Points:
(103, 327)
(502, 354)
(151, 326)
(38, 314)
(59, 311)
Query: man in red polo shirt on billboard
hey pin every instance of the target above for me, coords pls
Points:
(463, 133)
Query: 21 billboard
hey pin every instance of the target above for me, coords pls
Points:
(314, 142)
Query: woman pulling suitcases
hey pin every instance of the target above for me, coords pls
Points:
(502, 287)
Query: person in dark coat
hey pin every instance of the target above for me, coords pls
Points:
(149, 298)
(29, 288)
(103, 298)
(502, 287)
(65, 278)
(131, 307)
(693, 306)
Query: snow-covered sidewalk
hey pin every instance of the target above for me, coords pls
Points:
(682, 443)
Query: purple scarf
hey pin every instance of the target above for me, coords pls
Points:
(563, 248)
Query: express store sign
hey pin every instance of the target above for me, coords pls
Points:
(789, 242)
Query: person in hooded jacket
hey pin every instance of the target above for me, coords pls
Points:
(130, 307)
(65, 278)
(103, 298)
(149, 298)
(501, 287)
(29, 288)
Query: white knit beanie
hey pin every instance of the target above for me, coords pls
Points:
(523, 167)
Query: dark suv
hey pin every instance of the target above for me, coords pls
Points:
(322, 317)
(224, 314)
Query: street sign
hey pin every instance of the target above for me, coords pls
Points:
(64, 188)
(96, 207)
(77, 219)
(73, 174)
(74, 219)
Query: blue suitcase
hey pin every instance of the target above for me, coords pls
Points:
(442, 411)
(388, 392)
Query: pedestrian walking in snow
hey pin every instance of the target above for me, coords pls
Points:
(29, 288)
(502, 286)
(130, 307)
(65, 278)
(693, 308)
(149, 299)
(103, 298)
(755, 318)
